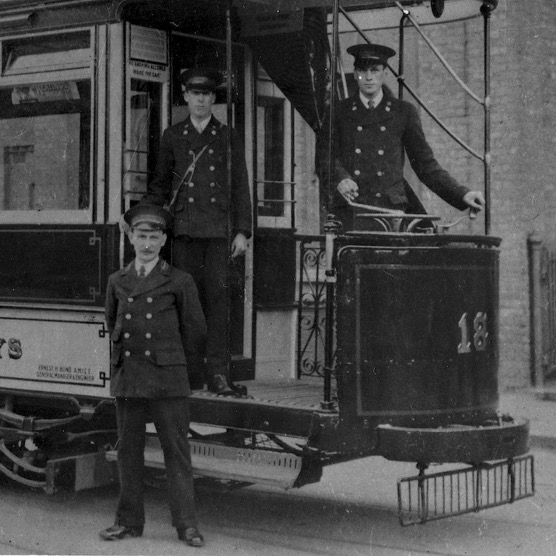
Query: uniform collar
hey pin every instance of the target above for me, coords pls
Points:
(148, 266)
(375, 101)
(163, 267)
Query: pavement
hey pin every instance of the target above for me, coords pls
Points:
(539, 407)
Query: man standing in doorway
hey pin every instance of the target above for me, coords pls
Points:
(372, 133)
(192, 177)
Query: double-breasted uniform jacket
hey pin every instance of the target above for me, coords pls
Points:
(154, 322)
(201, 208)
(368, 147)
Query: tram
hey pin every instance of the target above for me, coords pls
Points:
(411, 353)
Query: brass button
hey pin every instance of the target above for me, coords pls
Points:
(191, 184)
(359, 128)
(212, 184)
(211, 151)
(357, 172)
(382, 128)
(379, 173)
(148, 353)
(191, 200)
(149, 299)
(211, 168)
(126, 335)
(380, 152)
(127, 353)
(149, 316)
(148, 335)
(130, 299)
(378, 195)
(213, 200)
(358, 151)
(128, 316)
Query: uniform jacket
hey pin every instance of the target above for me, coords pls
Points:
(201, 209)
(154, 322)
(368, 147)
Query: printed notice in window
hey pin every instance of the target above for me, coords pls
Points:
(148, 45)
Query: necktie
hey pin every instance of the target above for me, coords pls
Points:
(142, 272)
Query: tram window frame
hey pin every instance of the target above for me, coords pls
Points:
(74, 81)
(141, 164)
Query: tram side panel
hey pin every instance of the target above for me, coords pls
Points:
(53, 338)
(417, 333)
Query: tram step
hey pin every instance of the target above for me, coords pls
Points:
(229, 463)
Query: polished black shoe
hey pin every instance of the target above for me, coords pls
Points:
(191, 536)
(117, 532)
(218, 384)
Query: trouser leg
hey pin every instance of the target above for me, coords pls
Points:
(171, 419)
(131, 416)
(207, 261)
(216, 307)
(189, 255)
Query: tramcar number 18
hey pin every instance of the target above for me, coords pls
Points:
(479, 331)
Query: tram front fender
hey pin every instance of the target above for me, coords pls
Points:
(454, 444)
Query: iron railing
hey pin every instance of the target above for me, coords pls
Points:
(311, 301)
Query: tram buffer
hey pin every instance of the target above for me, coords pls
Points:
(191, 177)
(372, 129)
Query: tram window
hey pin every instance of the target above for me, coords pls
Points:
(270, 165)
(45, 137)
(47, 53)
(145, 104)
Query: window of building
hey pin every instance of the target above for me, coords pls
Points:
(270, 162)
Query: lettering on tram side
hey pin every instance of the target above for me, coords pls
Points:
(60, 372)
(14, 348)
(480, 334)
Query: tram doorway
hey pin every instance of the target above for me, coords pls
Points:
(188, 51)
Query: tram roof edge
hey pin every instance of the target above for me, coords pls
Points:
(292, 5)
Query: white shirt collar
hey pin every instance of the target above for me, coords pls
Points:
(148, 266)
(376, 100)
(200, 126)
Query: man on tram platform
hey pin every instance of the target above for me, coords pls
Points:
(155, 320)
(192, 177)
(372, 131)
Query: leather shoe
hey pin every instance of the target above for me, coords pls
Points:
(191, 536)
(117, 532)
(218, 384)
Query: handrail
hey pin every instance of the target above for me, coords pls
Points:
(444, 62)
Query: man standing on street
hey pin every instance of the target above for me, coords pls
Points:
(155, 319)
(192, 177)
(372, 131)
